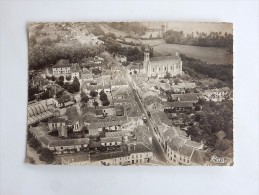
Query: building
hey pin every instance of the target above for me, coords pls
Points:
(115, 123)
(120, 58)
(134, 114)
(159, 66)
(111, 141)
(57, 145)
(183, 151)
(179, 106)
(62, 68)
(187, 97)
(118, 83)
(39, 111)
(135, 69)
(217, 94)
(133, 154)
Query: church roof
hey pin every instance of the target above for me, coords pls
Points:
(161, 58)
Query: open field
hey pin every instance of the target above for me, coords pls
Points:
(211, 55)
(108, 29)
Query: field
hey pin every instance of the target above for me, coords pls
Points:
(211, 55)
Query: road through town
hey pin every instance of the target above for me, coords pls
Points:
(157, 149)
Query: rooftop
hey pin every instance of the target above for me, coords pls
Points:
(186, 97)
(138, 147)
(111, 139)
(199, 157)
(179, 104)
(69, 142)
(162, 58)
(62, 63)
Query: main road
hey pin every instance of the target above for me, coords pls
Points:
(157, 149)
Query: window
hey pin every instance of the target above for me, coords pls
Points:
(171, 67)
(165, 68)
(153, 70)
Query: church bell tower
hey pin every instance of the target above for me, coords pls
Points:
(146, 61)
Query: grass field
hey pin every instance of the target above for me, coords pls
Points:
(211, 55)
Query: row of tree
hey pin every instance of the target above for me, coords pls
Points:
(213, 39)
(221, 72)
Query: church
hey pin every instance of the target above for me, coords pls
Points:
(159, 66)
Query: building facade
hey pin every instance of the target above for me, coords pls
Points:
(160, 66)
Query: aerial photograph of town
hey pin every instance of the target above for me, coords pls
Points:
(130, 94)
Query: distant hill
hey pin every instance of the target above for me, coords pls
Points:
(189, 27)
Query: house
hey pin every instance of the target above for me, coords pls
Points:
(75, 72)
(135, 69)
(122, 93)
(185, 152)
(123, 102)
(106, 111)
(57, 145)
(217, 94)
(111, 141)
(61, 68)
(178, 106)
(64, 146)
(120, 58)
(86, 75)
(187, 97)
(55, 123)
(134, 154)
(134, 114)
(153, 103)
(118, 83)
(115, 123)
(98, 88)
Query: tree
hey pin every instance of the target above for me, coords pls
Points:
(84, 98)
(68, 77)
(34, 143)
(103, 96)
(53, 78)
(61, 78)
(106, 102)
(93, 93)
(168, 75)
(46, 156)
(76, 85)
(176, 81)
(85, 130)
(95, 104)
(71, 89)
(66, 85)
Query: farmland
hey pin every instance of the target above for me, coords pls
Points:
(211, 55)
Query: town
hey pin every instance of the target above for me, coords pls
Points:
(102, 94)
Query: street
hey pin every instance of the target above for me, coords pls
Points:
(157, 149)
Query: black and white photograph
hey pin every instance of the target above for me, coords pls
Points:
(130, 94)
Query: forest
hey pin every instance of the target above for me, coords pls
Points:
(135, 27)
(213, 39)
